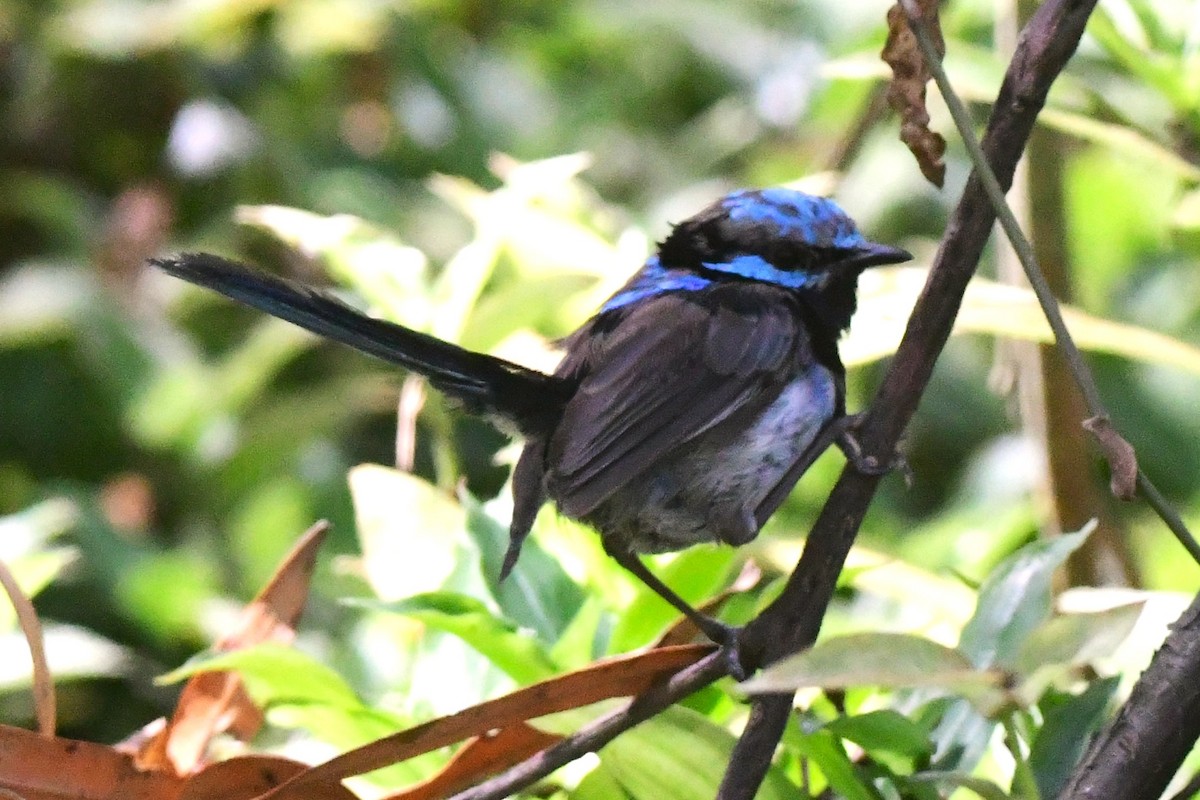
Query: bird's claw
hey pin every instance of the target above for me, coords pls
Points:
(726, 637)
(868, 464)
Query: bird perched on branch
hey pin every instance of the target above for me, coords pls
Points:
(685, 410)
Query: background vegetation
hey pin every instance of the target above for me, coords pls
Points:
(160, 449)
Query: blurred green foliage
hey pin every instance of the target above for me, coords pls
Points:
(161, 449)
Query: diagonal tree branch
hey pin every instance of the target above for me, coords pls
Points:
(793, 621)
(1136, 756)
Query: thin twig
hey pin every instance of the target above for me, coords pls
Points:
(1037, 281)
(595, 735)
(44, 699)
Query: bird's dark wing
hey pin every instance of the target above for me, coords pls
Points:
(530, 399)
(673, 368)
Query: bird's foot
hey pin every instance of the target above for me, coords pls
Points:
(726, 637)
(847, 440)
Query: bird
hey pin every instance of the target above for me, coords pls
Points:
(684, 410)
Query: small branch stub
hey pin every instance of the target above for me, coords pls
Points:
(1122, 461)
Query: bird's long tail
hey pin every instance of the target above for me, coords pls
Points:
(529, 399)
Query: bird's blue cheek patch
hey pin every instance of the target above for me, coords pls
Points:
(759, 269)
(815, 220)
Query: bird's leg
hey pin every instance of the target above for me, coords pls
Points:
(847, 441)
(725, 636)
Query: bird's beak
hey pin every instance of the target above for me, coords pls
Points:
(872, 254)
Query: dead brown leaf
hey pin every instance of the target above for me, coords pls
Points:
(36, 767)
(247, 777)
(215, 702)
(480, 758)
(906, 92)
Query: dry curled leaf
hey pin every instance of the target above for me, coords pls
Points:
(906, 92)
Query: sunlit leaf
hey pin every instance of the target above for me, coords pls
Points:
(519, 655)
(387, 273)
(1126, 140)
(411, 533)
(274, 674)
(1076, 639)
(72, 652)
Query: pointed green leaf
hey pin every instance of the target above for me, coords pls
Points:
(273, 674)
(873, 659)
(1015, 599)
(883, 730)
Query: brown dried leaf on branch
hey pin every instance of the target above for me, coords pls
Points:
(497, 729)
(906, 92)
(214, 702)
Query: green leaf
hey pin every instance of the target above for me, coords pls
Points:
(599, 784)
(1067, 727)
(519, 655)
(538, 594)
(1124, 139)
(873, 659)
(411, 533)
(578, 645)
(273, 674)
(1015, 599)
(347, 727)
(680, 755)
(883, 730)
(23, 547)
(824, 750)
(1076, 639)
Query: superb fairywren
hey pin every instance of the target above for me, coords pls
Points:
(685, 410)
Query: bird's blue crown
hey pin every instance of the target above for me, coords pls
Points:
(815, 221)
(775, 235)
